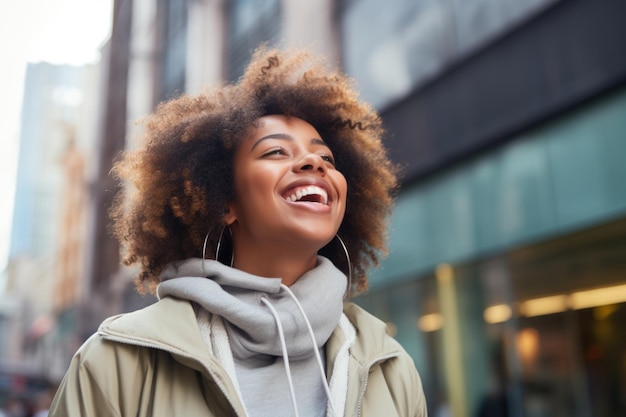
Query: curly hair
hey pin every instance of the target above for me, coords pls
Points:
(179, 179)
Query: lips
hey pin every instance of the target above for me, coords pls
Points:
(307, 193)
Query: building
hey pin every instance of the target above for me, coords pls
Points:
(48, 236)
(506, 278)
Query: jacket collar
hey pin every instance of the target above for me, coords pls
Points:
(372, 342)
(171, 325)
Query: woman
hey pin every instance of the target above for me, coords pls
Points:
(251, 210)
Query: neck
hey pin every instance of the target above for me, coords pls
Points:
(289, 264)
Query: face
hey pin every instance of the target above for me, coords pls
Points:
(287, 189)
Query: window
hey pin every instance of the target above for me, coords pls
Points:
(393, 47)
(251, 22)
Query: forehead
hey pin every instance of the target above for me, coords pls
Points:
(281, 127)
(268, 129)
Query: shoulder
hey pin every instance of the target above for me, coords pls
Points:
(373, 333)
(365, 323)
(374, 346)
(99, 356)
(126, 337)
(160, 313)
(357, 314)
(169, 324)
(372, 338)
(95, 377)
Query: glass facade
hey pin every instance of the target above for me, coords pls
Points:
(393, 47)
(559, 177)
(506, 275)
(535, 331)
(506, 280)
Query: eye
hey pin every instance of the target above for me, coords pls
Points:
(274, 151)
(328, 158)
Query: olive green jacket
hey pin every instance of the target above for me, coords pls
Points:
(154, 362)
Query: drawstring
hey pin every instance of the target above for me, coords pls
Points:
(315, 349)
(283, 345)
(286, 356)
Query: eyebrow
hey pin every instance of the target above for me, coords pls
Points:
(284, 136)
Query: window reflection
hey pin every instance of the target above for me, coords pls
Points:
(534, 332)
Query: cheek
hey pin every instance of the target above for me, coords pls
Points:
(254, 188)
(245, 199)
(342, 189)
(261, 180)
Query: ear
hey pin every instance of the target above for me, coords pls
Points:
(229, 214)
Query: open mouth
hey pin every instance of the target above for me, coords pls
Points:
(310, 193)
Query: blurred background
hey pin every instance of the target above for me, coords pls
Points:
(506, 279)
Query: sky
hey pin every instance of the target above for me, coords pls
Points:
(55, 31)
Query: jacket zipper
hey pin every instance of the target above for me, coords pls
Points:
(127, 341)
(367, 368)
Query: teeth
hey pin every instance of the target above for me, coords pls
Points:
(310, 190)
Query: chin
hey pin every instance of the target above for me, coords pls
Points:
(315, 238)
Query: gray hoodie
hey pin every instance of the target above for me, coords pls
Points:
(278, 360)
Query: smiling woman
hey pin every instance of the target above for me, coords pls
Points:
(183, 174)
(251, 211)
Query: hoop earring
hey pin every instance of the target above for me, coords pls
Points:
(345, 251)
(219, 246)
(206, 239)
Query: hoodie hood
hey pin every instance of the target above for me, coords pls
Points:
(237, 297)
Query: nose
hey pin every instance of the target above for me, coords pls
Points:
(310, 162)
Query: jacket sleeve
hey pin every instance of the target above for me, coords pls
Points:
(420, 409)
(80, 393)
